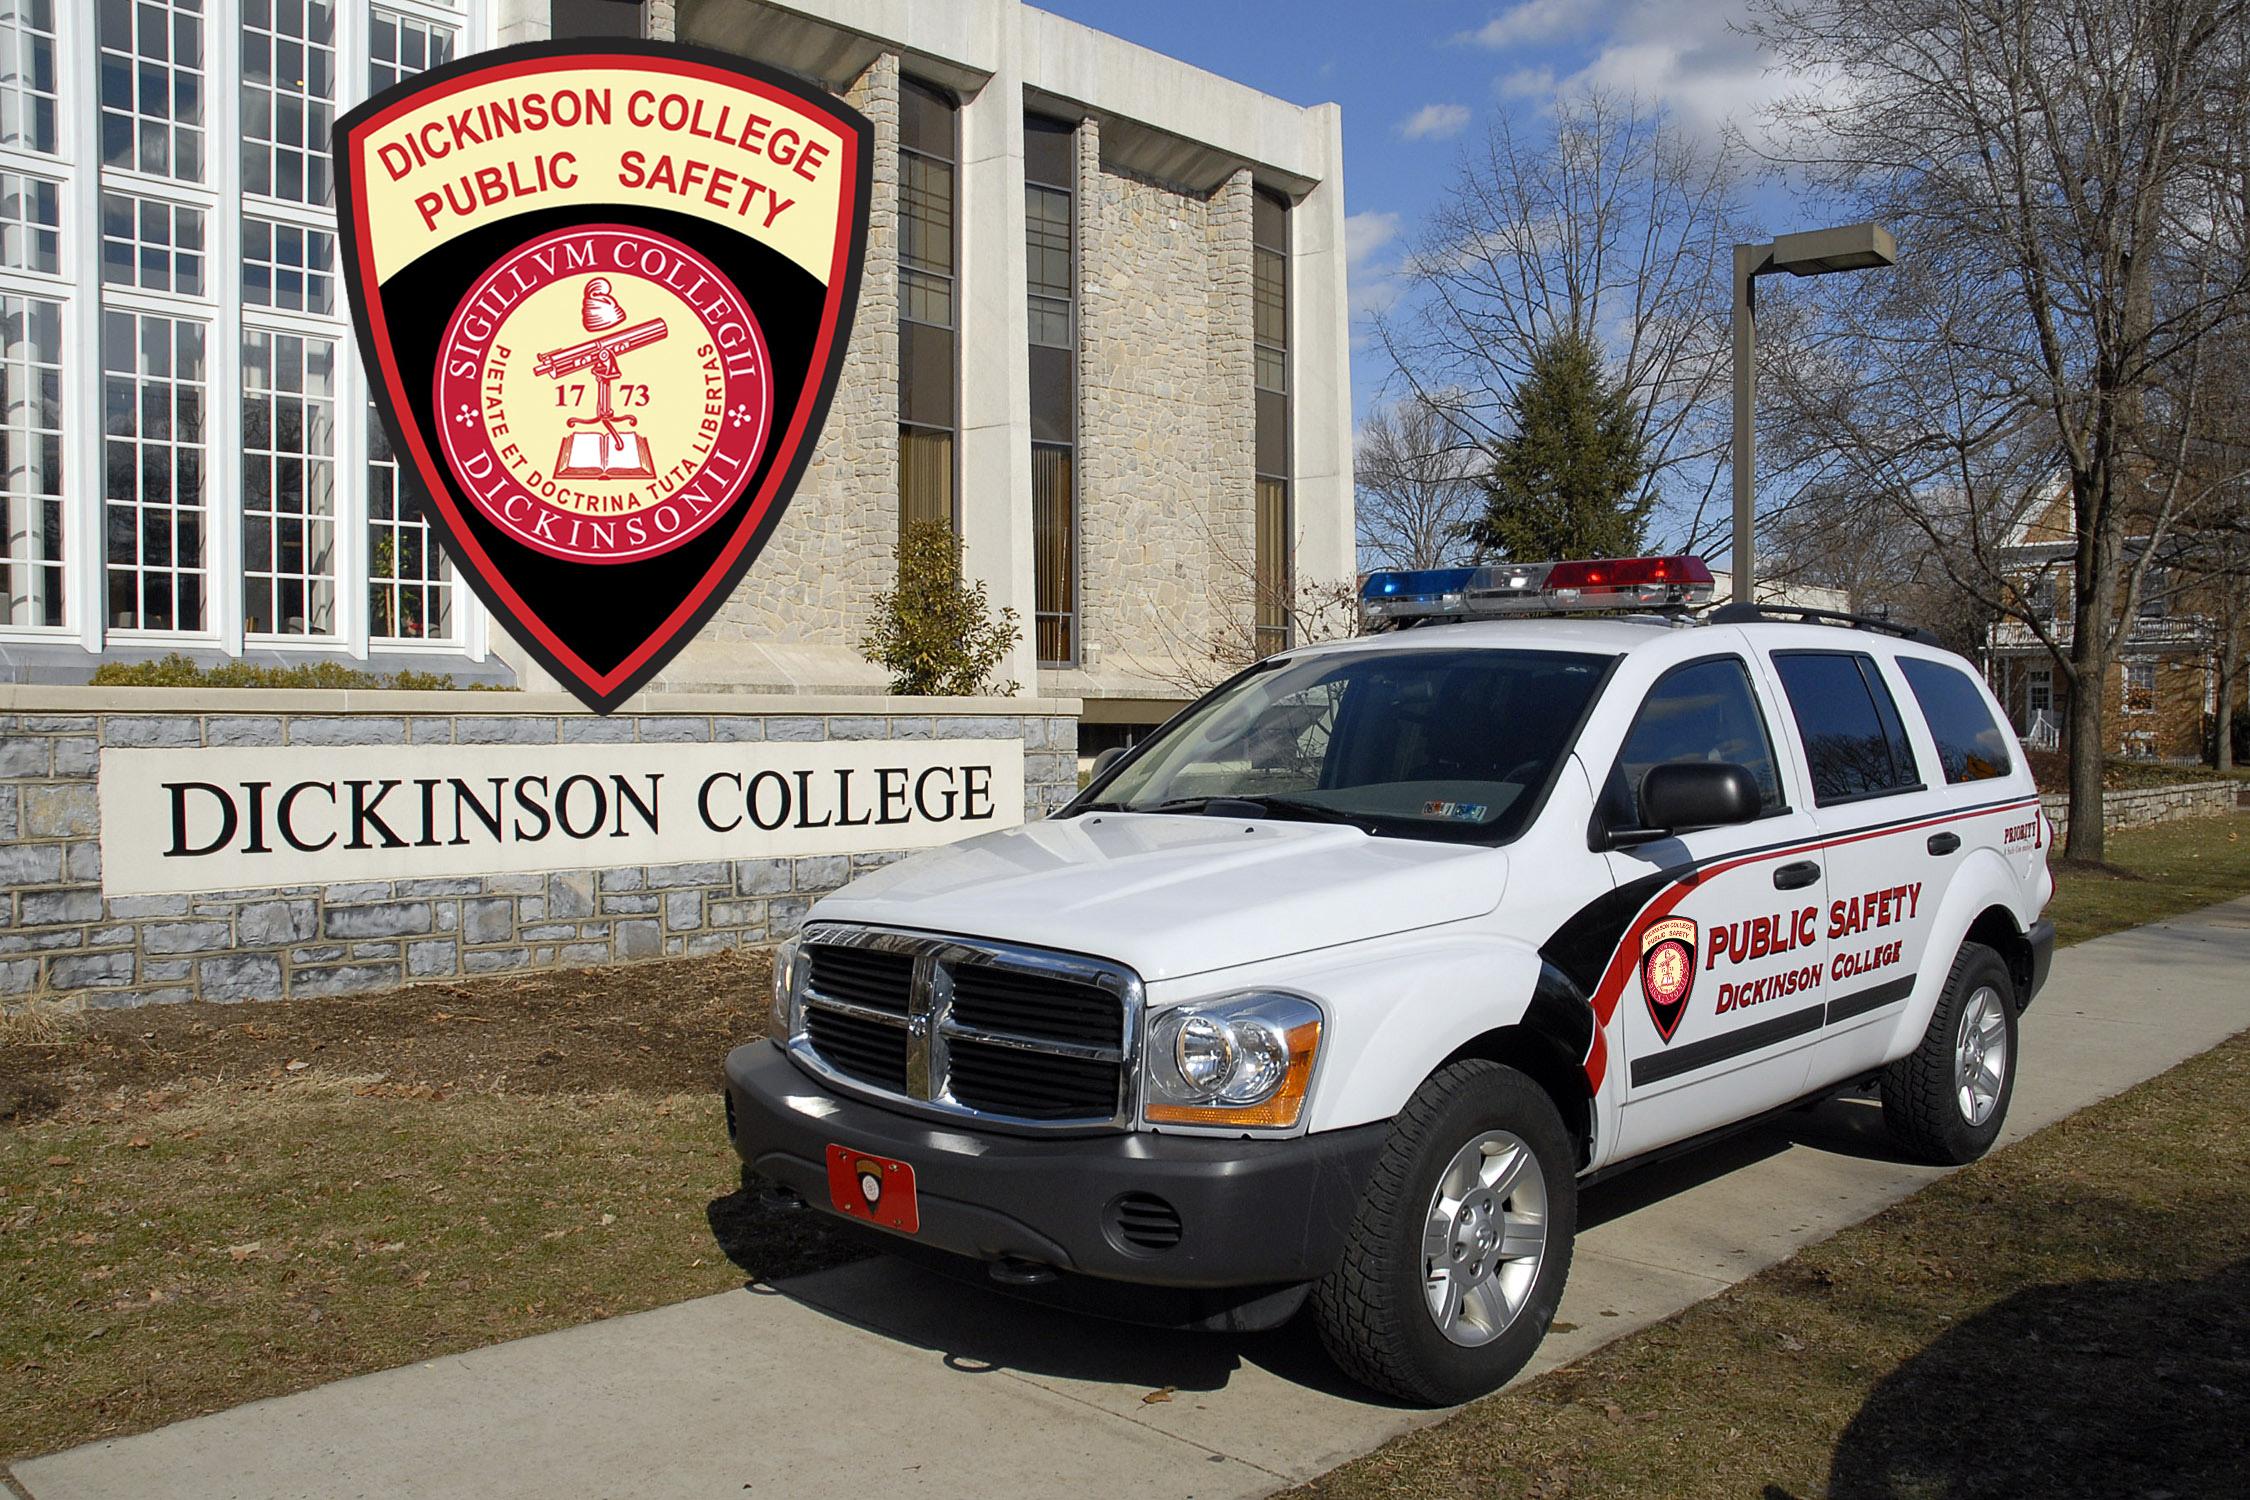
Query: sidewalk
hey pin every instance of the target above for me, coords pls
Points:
(875, 1379)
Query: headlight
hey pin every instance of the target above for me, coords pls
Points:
(1244, 1060)
(788, 964)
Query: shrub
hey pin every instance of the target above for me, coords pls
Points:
(176, 670)
(936, 633)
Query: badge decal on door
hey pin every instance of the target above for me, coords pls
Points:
(1668, 972)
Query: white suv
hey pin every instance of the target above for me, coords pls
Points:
(1339, 986)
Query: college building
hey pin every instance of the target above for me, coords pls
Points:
(1102, 332)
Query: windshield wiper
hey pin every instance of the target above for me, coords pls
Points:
(1230, 806)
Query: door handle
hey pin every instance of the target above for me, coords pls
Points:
(1944, 843)
(1796, 876)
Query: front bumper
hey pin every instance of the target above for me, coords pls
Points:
(2042, 936)
(1251, 1212)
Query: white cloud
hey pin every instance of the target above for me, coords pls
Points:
(1365, 233)
(1526, 83)
(1434, 122)
(1691, 58)
(1530, 21)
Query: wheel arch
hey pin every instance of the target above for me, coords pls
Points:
(1980, 907)
(1537, 1049)
(1996, 928)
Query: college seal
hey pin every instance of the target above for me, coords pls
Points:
(1668, 972)
(602, 293)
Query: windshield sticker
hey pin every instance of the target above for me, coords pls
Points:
(1459, 812)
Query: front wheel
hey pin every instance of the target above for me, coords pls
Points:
(1946, 1100)
(1457, 1255)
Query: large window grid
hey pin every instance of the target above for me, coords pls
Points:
(288, 98)
(1273, 523)
(30, 224)
(154, 392)
(158, 508)
(30, 106)
(409, 580)
(288, 484)
(291, 267)
(152, 87)
(1050, 256)
(928, 348)
(400, 46)
(31, 462)
(153, 244)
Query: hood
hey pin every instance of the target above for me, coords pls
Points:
(1177, 895)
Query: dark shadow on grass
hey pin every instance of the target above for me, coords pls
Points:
(2099, 1388)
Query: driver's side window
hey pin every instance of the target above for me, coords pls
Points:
(1703, 711)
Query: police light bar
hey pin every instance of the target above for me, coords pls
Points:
(1537, 588)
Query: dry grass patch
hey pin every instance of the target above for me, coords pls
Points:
(206, 1205)
(2069, 1317)
(2151, 874)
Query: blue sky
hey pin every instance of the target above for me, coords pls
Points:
(1419, 78)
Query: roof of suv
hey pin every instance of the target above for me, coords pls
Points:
(1611, 634)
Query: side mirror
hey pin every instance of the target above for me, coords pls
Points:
(1107, 758)
(1698, 794)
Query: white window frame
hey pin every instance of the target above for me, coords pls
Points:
(76, 167)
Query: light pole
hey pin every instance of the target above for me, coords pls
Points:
(1855, 247)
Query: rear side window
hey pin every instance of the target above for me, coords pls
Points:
(1970, 745)
(1855, 743)
(1701, 711)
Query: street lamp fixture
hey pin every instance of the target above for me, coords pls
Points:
(1816, 252)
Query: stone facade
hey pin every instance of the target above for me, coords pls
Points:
(1167, 414)
(2147, 806)
(817, 579)
(62, 940)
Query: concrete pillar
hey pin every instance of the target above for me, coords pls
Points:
(1320, 339)
(995, 410)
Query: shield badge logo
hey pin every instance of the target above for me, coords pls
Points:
(602, 293)
(1668, 972)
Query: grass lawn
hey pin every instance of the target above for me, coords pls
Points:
(2152, 873)
(201, 1205)
(2065, 1318)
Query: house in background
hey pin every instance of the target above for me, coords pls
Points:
(2163, 690)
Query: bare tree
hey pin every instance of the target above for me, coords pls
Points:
(1248, 609)
(2065, 178)
(1415, 474)
(1612, 225)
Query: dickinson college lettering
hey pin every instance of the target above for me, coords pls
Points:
(429, 811)
(190, 820)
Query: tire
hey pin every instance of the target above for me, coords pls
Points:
(1945, 1101)
(1375, 1310)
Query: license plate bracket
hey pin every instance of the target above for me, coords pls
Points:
(878, 1189)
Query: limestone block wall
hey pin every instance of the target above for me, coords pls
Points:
(1166, 410)
(822, 567)
(62, 939)
(2147, 806)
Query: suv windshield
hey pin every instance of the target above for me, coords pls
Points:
(1423, 743)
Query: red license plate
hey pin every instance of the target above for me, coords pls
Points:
(874, 1188)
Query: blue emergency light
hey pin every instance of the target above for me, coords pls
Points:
(1537, 588)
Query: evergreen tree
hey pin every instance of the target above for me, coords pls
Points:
(1566, 481)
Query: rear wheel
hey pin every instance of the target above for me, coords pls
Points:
(1457, 1256)
(1946, 1100)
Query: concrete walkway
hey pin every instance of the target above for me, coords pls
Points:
(877, 1380)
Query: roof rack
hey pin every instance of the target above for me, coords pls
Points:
(1751, 614)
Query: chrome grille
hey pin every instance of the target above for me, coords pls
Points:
(1020, 1037)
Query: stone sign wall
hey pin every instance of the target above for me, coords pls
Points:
(63, 936)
